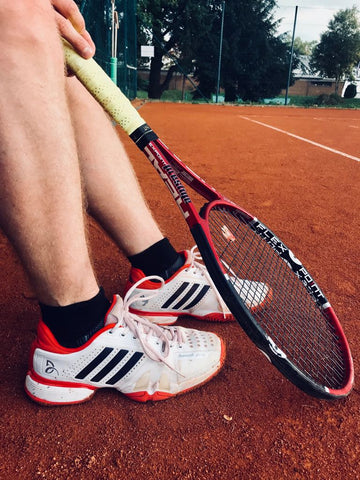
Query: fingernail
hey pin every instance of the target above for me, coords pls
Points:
(88, 52)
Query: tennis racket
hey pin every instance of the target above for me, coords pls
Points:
(268, 290)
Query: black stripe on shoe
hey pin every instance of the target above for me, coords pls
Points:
(186, 297)
(125, 369)
(198, 297)
(110, 366)
(175, 295)
(94, 363)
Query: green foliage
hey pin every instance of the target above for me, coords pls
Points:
(176, 27)
(142, 84)
(294, 101)
(332, 99)
(339, 47)
(255, 61)
(313, 101)
(301, 47)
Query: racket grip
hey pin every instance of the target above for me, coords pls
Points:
(103, 89)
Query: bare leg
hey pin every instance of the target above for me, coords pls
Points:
(40, 191)
(113, 193)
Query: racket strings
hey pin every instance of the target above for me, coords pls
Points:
(299, 312)
(291, 317)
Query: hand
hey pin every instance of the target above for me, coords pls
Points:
(71, 26)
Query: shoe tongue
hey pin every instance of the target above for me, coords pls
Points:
(180, 261)
(115, 313)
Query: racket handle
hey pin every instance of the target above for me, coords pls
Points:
(100, 85)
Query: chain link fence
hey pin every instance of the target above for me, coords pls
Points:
(112, 25)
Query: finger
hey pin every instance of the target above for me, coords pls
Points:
(81, 42)
(88, 38)
(69, 10)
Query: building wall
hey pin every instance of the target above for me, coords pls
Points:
(306, 87)
(178, 81)
(302, 87)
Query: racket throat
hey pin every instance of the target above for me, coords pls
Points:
(142, 136)
(146, 140)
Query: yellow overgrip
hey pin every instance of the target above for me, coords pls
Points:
(100, 85)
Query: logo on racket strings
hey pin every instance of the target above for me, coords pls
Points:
(287, 255)
(227, 234)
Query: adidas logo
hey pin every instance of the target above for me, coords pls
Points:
(185, 298)
(118, 365)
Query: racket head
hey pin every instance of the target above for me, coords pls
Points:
(285, 313)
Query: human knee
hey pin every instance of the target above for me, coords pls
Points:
(27, 25)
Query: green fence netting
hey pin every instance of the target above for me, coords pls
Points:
(112, 25)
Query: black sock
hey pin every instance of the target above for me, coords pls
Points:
(73, 325)
(159, 259)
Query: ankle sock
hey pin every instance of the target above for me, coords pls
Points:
(159, 259)
(73, 325)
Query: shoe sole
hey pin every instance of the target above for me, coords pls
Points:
(67, 393)
(50, 394)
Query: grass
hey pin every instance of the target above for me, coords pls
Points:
(330, 101)
(325, 101)
(169, 96)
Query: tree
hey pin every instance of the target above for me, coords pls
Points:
(301, 47)
(255, 61)
(339, 47)
(206, 52)
(174, 27)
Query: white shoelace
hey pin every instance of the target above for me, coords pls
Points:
(143, 329)
(195, 255)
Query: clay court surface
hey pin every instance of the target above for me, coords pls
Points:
(249, 422)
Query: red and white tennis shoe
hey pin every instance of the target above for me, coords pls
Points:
(132, 355)
(190, 292)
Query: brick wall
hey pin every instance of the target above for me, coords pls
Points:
(178, 81)
(302, 87)
(306, 87)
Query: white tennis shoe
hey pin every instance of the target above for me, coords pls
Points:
(132, 355)
(190, 292)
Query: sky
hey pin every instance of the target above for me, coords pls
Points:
(312, 18)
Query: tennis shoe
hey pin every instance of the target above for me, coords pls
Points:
(139, 359)
(190, 292)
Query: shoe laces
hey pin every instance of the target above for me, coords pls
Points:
(143, 329)
(195, 257)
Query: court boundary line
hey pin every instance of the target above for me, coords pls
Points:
(316, 144)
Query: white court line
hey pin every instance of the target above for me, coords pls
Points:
(352, 157)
